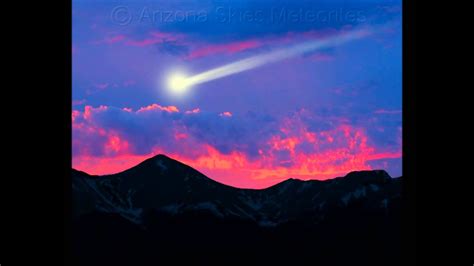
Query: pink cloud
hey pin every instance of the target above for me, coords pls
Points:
(206, 49)
(226, 48)
(116, 144)
(169, 109)
(199, 49)
(155, 37)
(290, 150)
(89, 109)
(194, 111)
(227, 114)
(111, 39)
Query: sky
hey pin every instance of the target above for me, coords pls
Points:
(316, 114)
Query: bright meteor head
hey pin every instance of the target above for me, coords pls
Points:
(178, 83)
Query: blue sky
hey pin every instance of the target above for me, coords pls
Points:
(317, 115)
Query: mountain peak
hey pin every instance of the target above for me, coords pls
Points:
(160, 161)
(290, 183)
(290, 180)
(160, 156)
(377, 172)
(368, 176)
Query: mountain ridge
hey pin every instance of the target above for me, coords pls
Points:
(378, 172)
(161, 209)
(162, 183)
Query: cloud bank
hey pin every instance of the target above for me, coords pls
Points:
(250, 150)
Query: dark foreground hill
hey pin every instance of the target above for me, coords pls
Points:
(162, 212)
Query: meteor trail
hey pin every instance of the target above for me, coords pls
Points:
(179, 83)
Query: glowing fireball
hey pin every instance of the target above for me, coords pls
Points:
(178, 83)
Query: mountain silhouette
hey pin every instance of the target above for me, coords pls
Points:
(163, 210)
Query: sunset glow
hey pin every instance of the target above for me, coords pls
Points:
(248, 104)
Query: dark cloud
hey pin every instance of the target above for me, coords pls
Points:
(173, 48)
(226, 20)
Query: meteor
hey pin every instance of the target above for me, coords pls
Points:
(179, 83)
